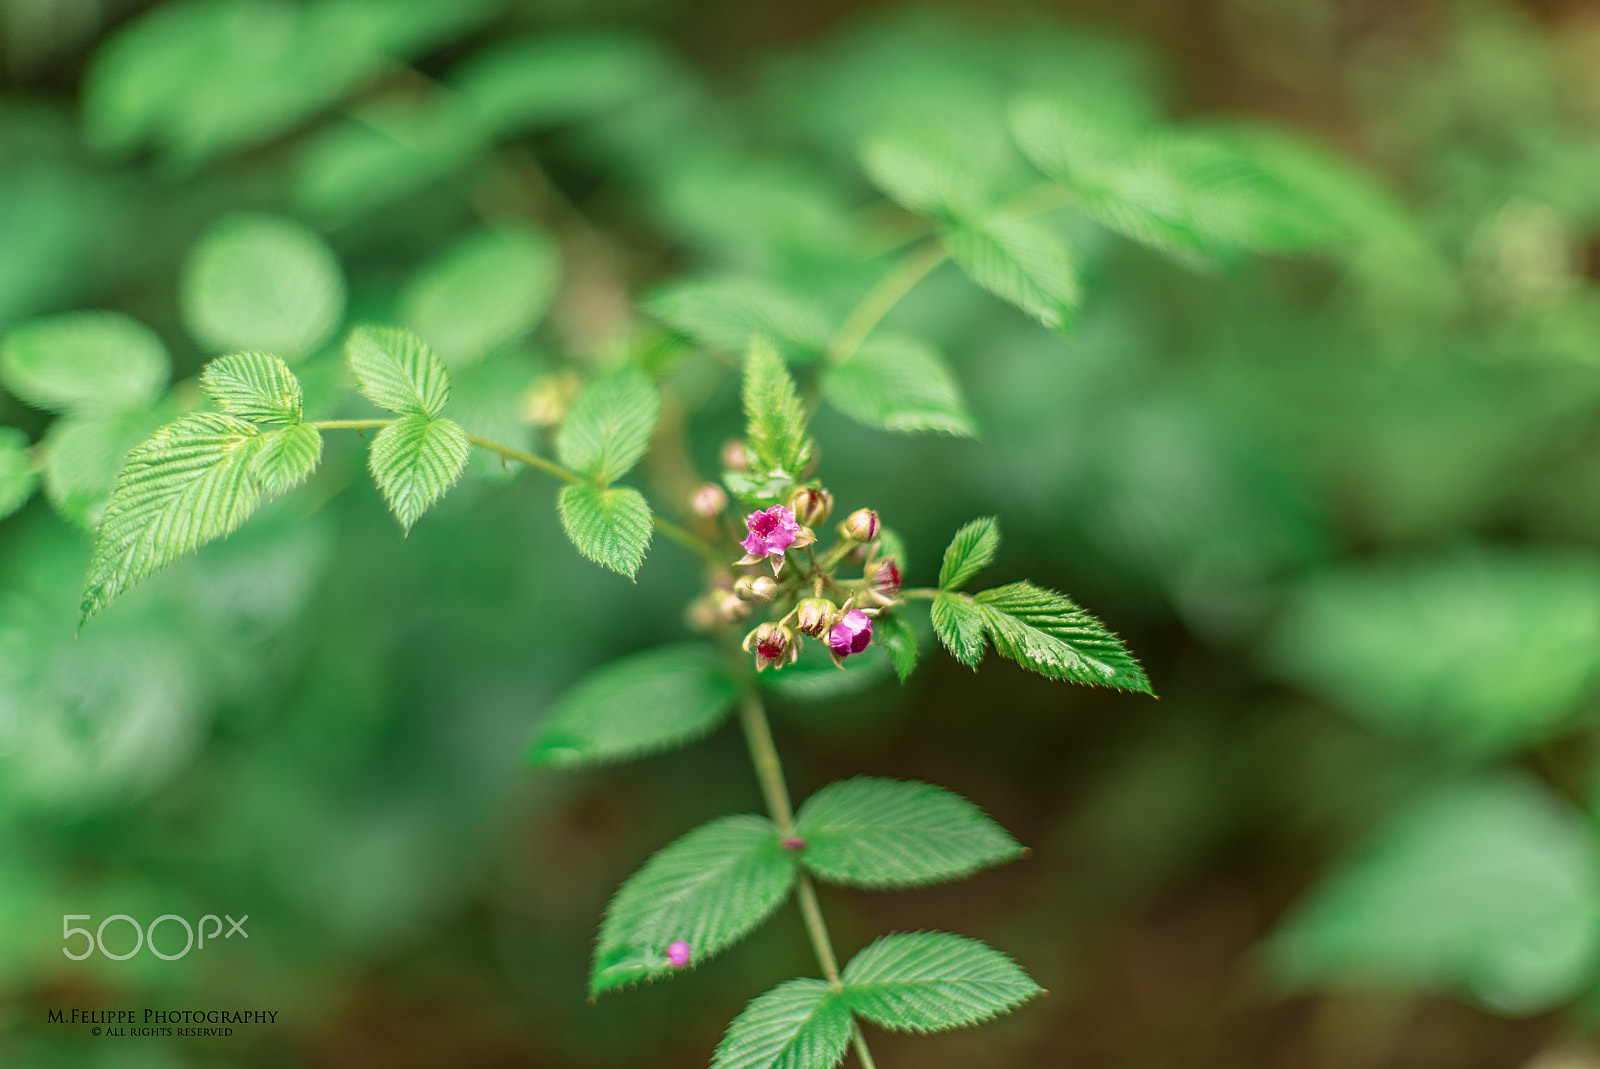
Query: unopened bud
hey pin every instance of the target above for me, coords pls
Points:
(731, 607)
(814, 616)
(883, 582)
(703, 614)
(708, 501)
(812, 505)
(774, 646)
(734, 457)
(546, 402)
(860, 526)
(794, 843)
(761, 588)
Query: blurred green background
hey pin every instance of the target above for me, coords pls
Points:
(1346, 509)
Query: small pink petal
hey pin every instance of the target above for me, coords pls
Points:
(678, 953)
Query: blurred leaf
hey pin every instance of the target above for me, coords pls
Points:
(929, 176)
(84, 453)
(959, 623)
(723, 314)
(415, 461)
(1046, 633)
(188, 484)
(868, 832)
(254, 386)
(262, 282)
(933, 981)
(17, 477)
(548, 79)
(800, 1024)
(611, 526)
(396, 369)
(1489, 888)
(969, 552)
(894, 634)
(488, 289)
(1478, 654)
(639, 705)
(776, 431)
(608, 428)
(1020, 261)
(84, 360)
(709, 889)
(898, 384)
(287, 457)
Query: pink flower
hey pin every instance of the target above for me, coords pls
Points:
(678, 953)
(885, 577)
(771, 532)
(851, 634)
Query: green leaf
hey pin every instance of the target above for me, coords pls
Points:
(724, 314)
(191, 482)
(959, 623)
(898, 384)
(800, 1024)
(969, 552)
(929, 176)
(611, 526)
(709, 888)
(487, 290)
(776, 430)
(1489, 888)
(642, 704)
(895, 635)
(609, 426)
(1047, 633)
(868, 832)
(933, 981)
(254, 386)
(414, 461)
(1020, 261)
(287, 457)
(262, 282)
(83, 454)
(396, 369)
(551, 78)
(1478, 654)
(84, 360)
(17, 477)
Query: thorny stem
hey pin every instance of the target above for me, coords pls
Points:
(769, 773)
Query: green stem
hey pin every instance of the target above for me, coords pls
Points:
(522, 456)
(882, 298)
(769, 774)
(926, 592)
(350, 424)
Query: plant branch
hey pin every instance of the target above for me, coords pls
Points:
(350, 424)
(882, 298)
(769, 773)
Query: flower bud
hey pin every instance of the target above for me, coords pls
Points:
(703, 614)
(546, 402)
(774, 646)
(759, 588)
(708, 501)
(731, 607)
(814, 616)
(851, 635)
(883, 582)
(678, 953)
(812, 505)
(794, 843)
(734, 457)
(860, 526)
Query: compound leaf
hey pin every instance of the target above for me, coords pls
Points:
(397, 370)
(287, 457)
(254, 386)
(414, 461)
(899, 384)
(609, 426)
(870, 832)
(709, 889)
(609, 525)
(969, 552)
(642, 704)
(1049, 634)
(800, 1024)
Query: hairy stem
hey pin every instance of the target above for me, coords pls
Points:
(882, 298)
(769, 773)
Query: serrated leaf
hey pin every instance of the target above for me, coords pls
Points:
(639, 705)
(287, 457)
(929, 176)
(487, 290)
(933, 981)
(724, 314)
(1049, 634)
(959, 623)
(17, 475)
(550, 78)
(1019, 261)
(262, 282)
(84, 360)
(776, 420)
(969, 552)
(710, 888)
(869, 832)
(1488, 888)
(611, 526)
(894, 634)
(397, 370)
(609, 426)
(254, 386)
(191, 482)
(83, 454)
(800, 1024)
(414, 461)
(898, 384)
